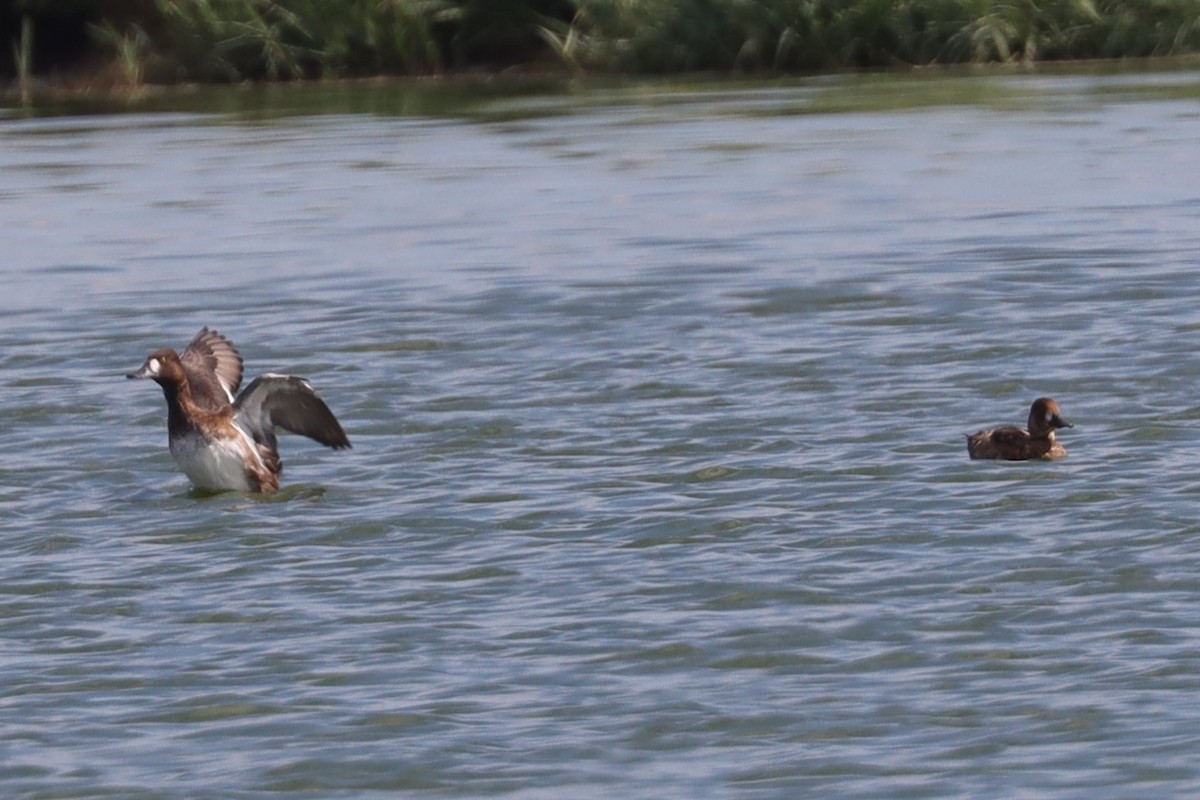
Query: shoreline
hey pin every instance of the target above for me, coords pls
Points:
(99, 86)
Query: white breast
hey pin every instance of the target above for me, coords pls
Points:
(213, 464)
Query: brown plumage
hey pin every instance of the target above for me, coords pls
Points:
(224, 443)
(214, 369)
(1019, 444)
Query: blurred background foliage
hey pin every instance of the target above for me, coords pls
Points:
(233, 40)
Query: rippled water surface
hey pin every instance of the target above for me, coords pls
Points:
(659, 486)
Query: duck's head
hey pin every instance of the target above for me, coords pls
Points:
(163, 366)
(1045, 417)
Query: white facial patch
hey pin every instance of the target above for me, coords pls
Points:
(153, 365)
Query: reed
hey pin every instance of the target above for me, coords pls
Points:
(131, 47)
(787, 35)
(222, 40)
(368, 37)
(235, 40)
(265, 39)
(23, 58)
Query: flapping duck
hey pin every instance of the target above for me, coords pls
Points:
(224, 440)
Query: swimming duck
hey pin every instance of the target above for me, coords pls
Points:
(225, 441)
(1017, 444)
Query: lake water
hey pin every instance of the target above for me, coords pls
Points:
(659, 485)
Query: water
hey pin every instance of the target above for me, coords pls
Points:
(659, 485)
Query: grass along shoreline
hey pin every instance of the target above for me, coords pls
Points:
(126, 44)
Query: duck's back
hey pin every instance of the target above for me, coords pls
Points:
(1012, 444)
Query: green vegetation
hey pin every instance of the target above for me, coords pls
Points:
(233, 40)
(23, 57)
(791, 35)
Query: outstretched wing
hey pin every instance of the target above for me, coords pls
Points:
(290, 403)
(214, 369)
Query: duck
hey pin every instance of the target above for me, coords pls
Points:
(224, 440)
(1019, 444)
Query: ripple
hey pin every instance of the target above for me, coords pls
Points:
(658, 485)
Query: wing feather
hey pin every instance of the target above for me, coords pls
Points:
(214, 369)
(288, 402)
